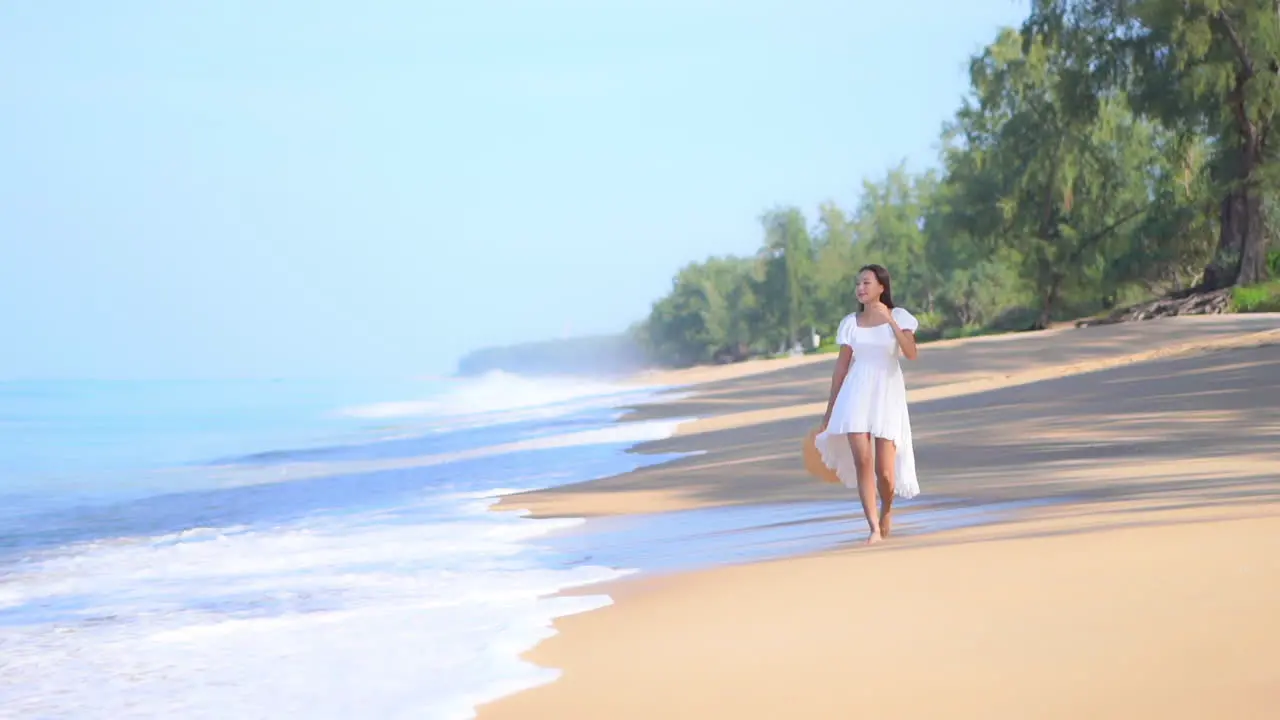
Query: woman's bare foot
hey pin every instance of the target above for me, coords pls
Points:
(873, 537)
(886, 522)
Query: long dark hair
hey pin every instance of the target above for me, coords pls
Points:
(882, 277)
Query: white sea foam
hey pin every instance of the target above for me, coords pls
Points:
(500, 397)
(492, 392)
(354, 617)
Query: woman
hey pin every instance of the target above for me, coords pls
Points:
(866, 433)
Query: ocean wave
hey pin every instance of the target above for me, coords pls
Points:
(494, 392)
(619, 434)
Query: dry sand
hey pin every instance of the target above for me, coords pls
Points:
(1149, 588)
(1161, 620)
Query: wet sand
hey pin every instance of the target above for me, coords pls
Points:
(1143, 585)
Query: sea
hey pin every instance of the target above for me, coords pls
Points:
(309, 549)
(327, 549)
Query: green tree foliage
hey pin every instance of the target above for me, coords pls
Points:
(711, 312)
(1107, 152)
(1200, 67)
(1055, 181)
(786, 287)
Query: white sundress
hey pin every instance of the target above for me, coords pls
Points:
(872, 399)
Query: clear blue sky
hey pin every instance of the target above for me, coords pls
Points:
(307, 187)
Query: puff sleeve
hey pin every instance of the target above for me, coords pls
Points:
(905, 320)
(844, 333)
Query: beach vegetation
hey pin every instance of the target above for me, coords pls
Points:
(1107, 153)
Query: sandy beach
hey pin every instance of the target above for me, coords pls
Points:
(1141, 581)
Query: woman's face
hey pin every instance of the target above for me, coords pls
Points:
(869, 288)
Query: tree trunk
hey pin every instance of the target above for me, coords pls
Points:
(1042, 322)
(1253, 263)
(1048, 304)
(1241, 257)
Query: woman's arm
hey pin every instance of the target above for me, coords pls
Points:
(843, 362)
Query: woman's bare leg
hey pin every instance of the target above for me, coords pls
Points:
(861, 445)
(886, 455)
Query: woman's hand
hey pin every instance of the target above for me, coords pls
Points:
(876, 314)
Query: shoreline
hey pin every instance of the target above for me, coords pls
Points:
(664, 489)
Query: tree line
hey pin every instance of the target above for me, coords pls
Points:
(1107, 152)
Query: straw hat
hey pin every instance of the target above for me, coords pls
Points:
(813, 460)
